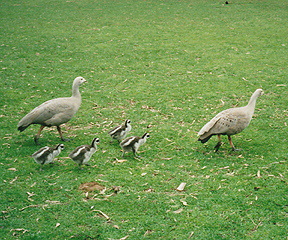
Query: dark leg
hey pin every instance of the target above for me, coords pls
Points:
(61, 135)
(218, 145)
(37, 136)
(135, 153)
(123, 152)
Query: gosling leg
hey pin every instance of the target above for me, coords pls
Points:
(135, 153)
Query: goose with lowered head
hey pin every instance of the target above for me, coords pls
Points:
(54, 112)
(229, 122)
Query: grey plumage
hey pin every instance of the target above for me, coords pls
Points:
(54, 112)
(229, 122)
(121, 131)
(46, 154)
(82, 154)
(132, 144)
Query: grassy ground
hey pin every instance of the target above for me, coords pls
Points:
(169, 66)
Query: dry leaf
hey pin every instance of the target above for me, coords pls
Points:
(53, 202)
(19, 230)
(124, 238)
(149, 190)
(178, 211)
(120, 160)
(184, 202)
(13, 180)
(191, 234)
(181, 187)
(148, 232)
(12, 169)
(102, 214)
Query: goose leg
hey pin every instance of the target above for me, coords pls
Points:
(218, 145)
(37, 136)
(232, 145)
(135, 153)
(61, 135)
(123, 153)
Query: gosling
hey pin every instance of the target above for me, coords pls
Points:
(82, 154)
(132, 144)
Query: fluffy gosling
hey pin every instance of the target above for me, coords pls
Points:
(121, 131)
(82, 154)
(132, 144)
(46, 154)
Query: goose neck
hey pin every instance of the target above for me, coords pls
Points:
(252, 102)
(75, 91)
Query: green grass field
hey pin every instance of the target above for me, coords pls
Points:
(169, 66)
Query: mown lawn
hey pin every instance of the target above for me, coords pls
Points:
(169, 66)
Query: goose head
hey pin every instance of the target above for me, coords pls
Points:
(60, 146)
(146, 135)
(79, 80)
(259, 92)
(95, 142)
(128, 121)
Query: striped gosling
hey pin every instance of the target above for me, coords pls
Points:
(132, 144)
(46, 154)
(121, 131)
(83, 153)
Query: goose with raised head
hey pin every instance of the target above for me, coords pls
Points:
(132, 144)
(54, 112)
(121, 131)
(46, 154)
(229, 122)
(82, 154)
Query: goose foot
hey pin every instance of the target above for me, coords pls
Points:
(218, 145)
(66, 139)
(36, 140)
(236, 149)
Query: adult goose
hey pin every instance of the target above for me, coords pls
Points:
(46, 154)
(132, 144)
(83, 153)
(121, 131)
(54, 112)
(229, 122)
